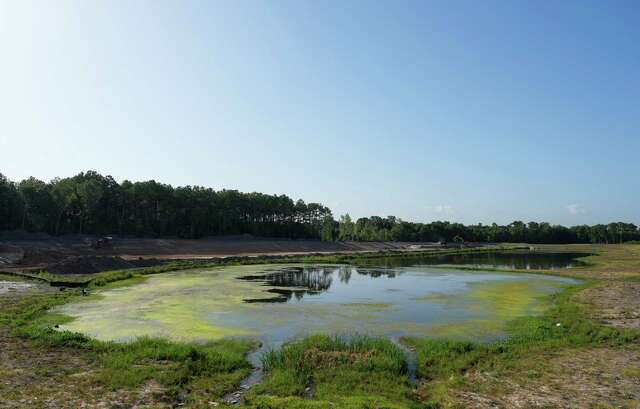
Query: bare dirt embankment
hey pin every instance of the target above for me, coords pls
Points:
(75, 254)
(614, 303)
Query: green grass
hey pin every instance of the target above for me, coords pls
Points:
(363, 372)
(203, 371)
(357, 351)
(208, 371)
(351, 372)
(334, 371)
(442, 363)
(175, 366)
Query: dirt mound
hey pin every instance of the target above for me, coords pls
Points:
(10, 254)
(36, 256)
(95, 264)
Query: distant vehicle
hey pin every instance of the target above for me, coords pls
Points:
(102, 242)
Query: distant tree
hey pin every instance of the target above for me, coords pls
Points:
(346, 228)
(327, 233)
(11, 205)
(38, 203)
(95, 204)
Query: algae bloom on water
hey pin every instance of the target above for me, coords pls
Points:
(276, 303)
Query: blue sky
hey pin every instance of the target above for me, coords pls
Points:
(462, 111)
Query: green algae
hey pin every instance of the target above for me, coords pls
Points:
(210, 304)
(170, 306)
(368, 306)
(505, 300)
(497, 302)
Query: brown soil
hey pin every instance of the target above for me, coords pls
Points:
(96, 264)
(75, 255)
(36, 376)
(584, 378)
(615, 303)
(45, 377)
(56, 248)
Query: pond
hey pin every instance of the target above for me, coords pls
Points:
(277, 303)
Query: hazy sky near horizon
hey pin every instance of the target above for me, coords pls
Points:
(429, 110)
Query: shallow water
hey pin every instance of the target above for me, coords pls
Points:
(276, 303)
(511, 260)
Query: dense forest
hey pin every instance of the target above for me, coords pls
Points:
(95, 204)
(393, 229)
(90, 203)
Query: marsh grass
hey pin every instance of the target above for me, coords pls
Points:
(347, 371)
(175, 366)
(322, 351)
(204, 371)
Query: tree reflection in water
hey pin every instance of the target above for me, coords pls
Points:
(289, 282)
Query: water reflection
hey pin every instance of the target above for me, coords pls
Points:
(379, 272)
(294, 282)
(510, 260)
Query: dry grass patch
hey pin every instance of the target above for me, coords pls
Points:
(48, 377)
(614, 303)
(571, 378)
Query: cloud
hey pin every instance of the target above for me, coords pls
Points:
(575, 209)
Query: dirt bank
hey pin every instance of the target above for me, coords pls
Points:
(75, 254)
(615, 303)
(96, 264)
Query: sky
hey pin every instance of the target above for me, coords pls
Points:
(429, 110)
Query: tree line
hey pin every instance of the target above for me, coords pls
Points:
(90, 203)
(393, 229)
